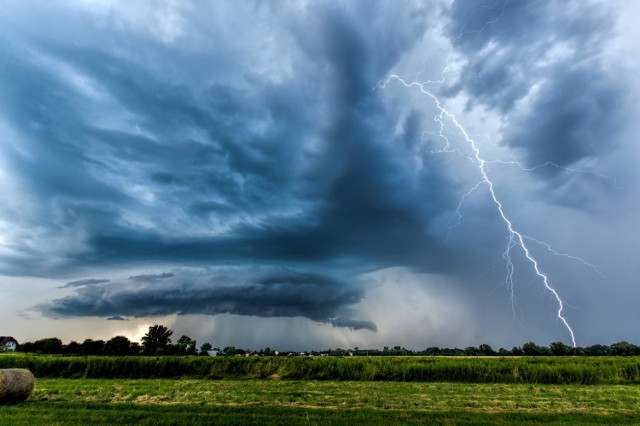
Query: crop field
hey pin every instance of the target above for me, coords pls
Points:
(341, 391)
(535, 370)
(188, 401)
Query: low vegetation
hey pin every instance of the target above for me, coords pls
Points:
(549, 370)
(156, 382)
(170, 401)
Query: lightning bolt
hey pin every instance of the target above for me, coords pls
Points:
(568, 256)
(515, 238)
(458, 215)
(464, 32)
(553, 165)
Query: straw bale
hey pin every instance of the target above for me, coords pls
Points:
(16, 385)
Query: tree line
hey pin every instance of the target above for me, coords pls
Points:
(157, 341)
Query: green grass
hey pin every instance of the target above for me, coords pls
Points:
(190, 401)
(341, 391)
(548, 370)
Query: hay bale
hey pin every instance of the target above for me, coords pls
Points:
(16, 385)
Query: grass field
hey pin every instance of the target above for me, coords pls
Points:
(341, 391)
(184, 401)
(547, 370)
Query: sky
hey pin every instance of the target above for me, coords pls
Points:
(312, 175)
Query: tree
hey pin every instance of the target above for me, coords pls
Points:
(186, 346)
(560, 349)
(622, 348)
(531, 349)
(92, 347)
(157, 340)
(545, 351)
(205, 348)
(504, 352)
(471, 351)
(486, 350)
(26, 347)
(192, 348)
(50, 345)
(118, 345)
(433, 350)
(597, 350)
(73, 348)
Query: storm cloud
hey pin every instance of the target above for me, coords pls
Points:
(539, 63)
(208, 159)
(318, 298)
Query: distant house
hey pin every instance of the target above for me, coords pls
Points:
(8, 343)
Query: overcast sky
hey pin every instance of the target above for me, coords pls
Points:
(266, 174)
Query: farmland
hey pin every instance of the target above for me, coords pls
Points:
(188, 401)
(236, 390)
(537, 370)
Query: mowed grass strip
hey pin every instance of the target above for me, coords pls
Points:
(60, 414)
(173, 401)
(606, 399)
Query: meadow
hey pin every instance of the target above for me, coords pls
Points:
(342, 391)
(537, 370)
(191, 401)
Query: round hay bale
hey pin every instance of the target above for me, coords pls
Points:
(16, 385)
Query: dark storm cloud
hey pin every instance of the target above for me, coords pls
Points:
(266, 294)
(251, 144)
(353, 324)
(151, 277)
(147, 166)
(117, 318)
(575, 117)
(82, 283)
(551, 53)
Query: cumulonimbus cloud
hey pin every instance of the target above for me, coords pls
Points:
(235, 291)
(264, 141)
